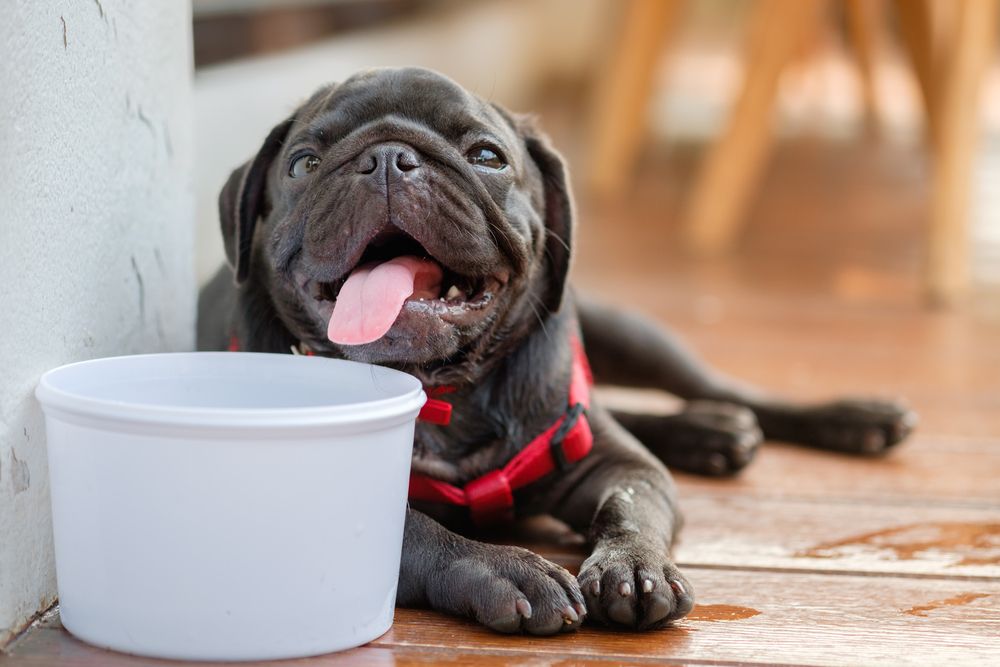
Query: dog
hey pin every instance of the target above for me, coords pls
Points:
(398, 219)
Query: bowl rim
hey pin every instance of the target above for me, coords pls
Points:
(58, 400)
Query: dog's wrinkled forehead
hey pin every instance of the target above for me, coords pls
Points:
(417, 95)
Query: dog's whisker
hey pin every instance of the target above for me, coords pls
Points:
(541, 320)
(562, 241)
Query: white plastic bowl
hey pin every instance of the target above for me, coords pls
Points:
(228, 506)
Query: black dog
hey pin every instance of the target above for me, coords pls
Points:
(400, 181)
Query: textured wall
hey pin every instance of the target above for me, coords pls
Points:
(96, 214)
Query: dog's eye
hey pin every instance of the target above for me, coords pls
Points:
(302, 165)
(485, 158)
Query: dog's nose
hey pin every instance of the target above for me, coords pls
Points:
(388, 162)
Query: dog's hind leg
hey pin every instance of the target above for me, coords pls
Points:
(707, 438)
(631, 351)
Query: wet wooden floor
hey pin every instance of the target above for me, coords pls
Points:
(808, 558)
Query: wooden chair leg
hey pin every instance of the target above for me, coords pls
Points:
(955, 146)
(864, 25)
(623, 90)
(916, 26)
(733, 166)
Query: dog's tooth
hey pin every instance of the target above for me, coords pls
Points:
(453, 293)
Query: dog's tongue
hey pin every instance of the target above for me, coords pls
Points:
(373, 295)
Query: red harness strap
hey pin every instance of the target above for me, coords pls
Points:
(436, 411)
(490, 498)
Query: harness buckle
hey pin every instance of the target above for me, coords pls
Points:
(556, 444)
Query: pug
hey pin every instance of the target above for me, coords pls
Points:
(398, 219)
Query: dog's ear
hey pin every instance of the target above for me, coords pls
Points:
(243, 200)
(559, 217)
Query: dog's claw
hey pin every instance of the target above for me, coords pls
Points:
(717, 463)
(707, 438)
(569, 615)
(510, 590)
(642, 588)
(873, 442)
(858, 426)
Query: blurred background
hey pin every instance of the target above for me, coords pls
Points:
(718, 135)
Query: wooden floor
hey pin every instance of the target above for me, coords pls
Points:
(808, 558)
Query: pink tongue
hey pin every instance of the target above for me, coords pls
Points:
(373, 295)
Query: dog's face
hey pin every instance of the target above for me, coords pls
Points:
(402, 169)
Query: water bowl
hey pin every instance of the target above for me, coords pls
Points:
(228, 506)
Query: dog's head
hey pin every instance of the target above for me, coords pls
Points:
(396, 182)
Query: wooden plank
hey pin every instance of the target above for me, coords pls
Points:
(753, 314)
(742, 616)
(951, 469)
(762, 617)
(953, 397)
(740, 532)
(743, 532)
(946, 420)
(753, 533)
(919, 471)
(57, 648)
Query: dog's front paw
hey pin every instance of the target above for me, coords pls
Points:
(860, 426)
(510, 589)
(631, 584)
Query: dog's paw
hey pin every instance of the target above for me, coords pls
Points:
(708, 438)
(726, 436)
(633, 585)
(510, 589)
(869, 427)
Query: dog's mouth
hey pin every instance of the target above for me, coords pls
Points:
(395, 273)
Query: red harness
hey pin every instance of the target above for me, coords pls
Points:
(490, 498)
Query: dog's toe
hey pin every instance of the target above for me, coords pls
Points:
(521, 591)
(868, 427)
(634, 586)
(708, 438)
(510, 590)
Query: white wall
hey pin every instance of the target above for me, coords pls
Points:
(96, 228)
